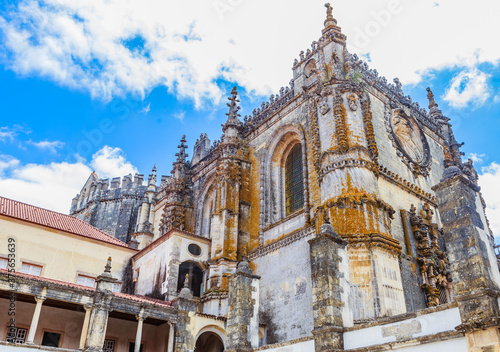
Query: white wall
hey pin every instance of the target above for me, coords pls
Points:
(423, 325)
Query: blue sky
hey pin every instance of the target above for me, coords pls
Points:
(113, 87)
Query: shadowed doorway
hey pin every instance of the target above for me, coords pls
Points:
(209, 342)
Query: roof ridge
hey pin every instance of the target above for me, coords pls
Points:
(80, 227)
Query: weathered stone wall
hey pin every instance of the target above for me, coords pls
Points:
(114, 211)
(285, 291)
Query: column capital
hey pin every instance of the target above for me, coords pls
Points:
(40, 299)
(88, 306)
(141, 317)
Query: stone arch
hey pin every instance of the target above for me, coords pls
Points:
(310, 68)
(195, 273)
(272, 177)
(206, 206)
(215, 330)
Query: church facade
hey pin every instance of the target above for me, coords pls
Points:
(338, 216)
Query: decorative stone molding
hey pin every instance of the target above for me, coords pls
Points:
(340, 116)
(368, 124)
(374, 240)
(315, 138)
(348, 163)
(406, 185)
(283, 242)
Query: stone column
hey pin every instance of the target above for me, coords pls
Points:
(474, 270)
(326, 252)
(85, 327)
(102, 306)
(171, 337)
(138, 335)
(243, 309)
(36, 317)
(187, 308)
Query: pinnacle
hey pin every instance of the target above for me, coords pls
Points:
(430, 96)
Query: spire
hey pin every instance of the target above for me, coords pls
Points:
(232, 115)
(233, 124)
(182, 155)
(329, 17)
(331, 24)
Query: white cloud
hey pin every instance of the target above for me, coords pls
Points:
(50, 145)
(489, 181)
(111, 162)
(10, 132)
(7, 162)
(146, 109)
(476, 158)
(468, 87)
(180, 115)
(187, 46)
(53, 185)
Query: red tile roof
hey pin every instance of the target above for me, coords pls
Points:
(58, 221)
(137, 298)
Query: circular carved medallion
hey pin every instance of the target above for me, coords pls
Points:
(411, 142)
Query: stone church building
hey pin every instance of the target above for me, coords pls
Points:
(338, 216)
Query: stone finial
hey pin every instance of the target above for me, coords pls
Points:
(154, 170)
(107, 268)
(430, 96)
(329, 17)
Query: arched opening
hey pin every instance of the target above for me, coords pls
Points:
(294, 180)
(195, 277)
(209, 342)
(206, 212)
(284, 195)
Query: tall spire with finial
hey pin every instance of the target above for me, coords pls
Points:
(329, 17)
(233, 124)
(331, 24)
(179, 166)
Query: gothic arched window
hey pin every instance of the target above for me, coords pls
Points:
(294, 180)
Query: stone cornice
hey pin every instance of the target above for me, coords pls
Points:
(285, 241)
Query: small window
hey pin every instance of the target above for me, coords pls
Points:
(194, 249)
(3, 263)
(109, 346)
(51, 339)
(294, 180)
(16, 335)
(31, 269)
(117, 287)
(85, 280)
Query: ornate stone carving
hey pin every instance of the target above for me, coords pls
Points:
(340, 115)
(408, 139)
(353, 102)
(315, 139)
(323, 106)
(369, 131)
(432, 260)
